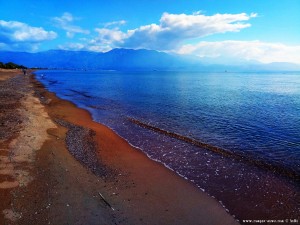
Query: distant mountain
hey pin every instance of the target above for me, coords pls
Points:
(116, 59)
(129, 59)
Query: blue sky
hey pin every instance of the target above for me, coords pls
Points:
(223, 31)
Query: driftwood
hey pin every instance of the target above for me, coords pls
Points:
(106, 202)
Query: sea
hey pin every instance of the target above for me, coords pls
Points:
(236, 136)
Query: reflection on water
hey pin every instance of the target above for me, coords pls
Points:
(256, 115)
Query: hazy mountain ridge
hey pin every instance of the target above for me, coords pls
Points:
(129, 59)
(116, 59)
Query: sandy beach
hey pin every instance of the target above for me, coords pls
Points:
(58, 166)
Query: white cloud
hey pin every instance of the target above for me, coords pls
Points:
(176, 28)
(115, 23)
(16, 35)
(109, 36)
(237, 51)
(65, 22)
(170, 33)
(104, 41)
(72, 46)
(87, 46)
(13, 31)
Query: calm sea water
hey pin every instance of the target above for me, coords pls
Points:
(253, 115)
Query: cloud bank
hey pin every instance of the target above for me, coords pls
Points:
(173, 29)
(237, 51)
(169, 34)
(16, 35)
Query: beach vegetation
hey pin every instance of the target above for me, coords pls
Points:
(11, 65)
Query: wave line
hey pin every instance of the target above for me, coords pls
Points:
(227, 153)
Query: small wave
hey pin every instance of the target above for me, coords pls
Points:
(84, 94)
(227, 153)
(97, 107)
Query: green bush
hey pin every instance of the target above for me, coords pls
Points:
(11, 65)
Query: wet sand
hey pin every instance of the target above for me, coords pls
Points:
(58, 166)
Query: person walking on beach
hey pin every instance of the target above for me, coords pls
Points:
(24, 71)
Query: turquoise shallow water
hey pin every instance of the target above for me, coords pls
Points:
(255, 116)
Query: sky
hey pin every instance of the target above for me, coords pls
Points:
(222, 31)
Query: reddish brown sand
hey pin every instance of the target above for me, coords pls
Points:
(60, 190)
(7, 73)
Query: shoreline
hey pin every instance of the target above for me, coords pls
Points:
(140, 191)
(83, 117)
(230, 181)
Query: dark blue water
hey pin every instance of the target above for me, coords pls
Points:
(253, 115)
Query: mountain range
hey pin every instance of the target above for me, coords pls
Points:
(129, 59)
